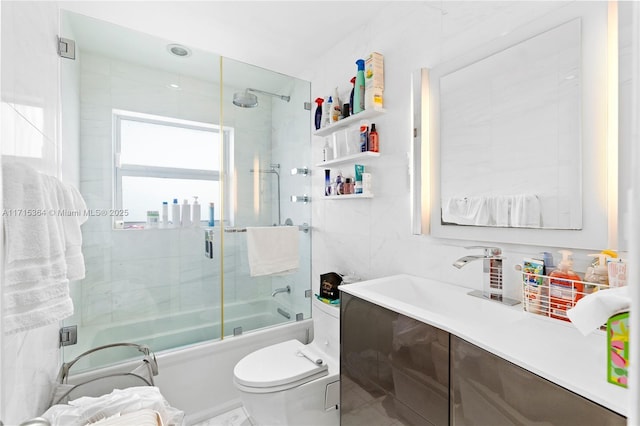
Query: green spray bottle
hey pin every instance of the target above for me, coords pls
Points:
(358, 94)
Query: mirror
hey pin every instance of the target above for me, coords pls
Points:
(518, 125)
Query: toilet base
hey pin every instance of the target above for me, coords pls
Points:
(300, 406)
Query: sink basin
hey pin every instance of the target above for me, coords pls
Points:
(429, 300)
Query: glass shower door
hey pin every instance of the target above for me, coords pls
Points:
(266, 112)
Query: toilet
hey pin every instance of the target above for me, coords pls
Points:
(294, 384)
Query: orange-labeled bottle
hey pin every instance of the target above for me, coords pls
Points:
(565, 288)
(374, 145)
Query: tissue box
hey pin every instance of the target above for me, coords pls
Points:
(618, 349)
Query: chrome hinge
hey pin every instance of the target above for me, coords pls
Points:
(307, 293)
(69, 335)
(307, 106)
(237, 331)
(66, 48)
(299, 316)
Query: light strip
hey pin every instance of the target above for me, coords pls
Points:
(612, 124)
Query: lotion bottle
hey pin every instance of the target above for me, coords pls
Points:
(186, 214)
(195, 214)
(175, 213)
(165, 215)
(565, 288)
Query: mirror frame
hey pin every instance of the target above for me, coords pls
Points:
(599, 143)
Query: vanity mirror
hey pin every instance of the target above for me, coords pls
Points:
(511, 140)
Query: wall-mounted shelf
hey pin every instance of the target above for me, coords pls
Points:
(352, 119)
(347, 196)
(349, 159)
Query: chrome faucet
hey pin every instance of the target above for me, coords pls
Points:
(491, 273)
(286, 289)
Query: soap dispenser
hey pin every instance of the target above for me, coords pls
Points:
(598, 273)
(565, 288)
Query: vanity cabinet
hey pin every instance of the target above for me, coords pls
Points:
(393, 369)
(488, 390)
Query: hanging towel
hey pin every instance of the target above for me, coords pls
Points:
(272, 250)
(36, 278)
(467, 211)
(525, 211)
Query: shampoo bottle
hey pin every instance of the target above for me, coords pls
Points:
(318, 117)
(175, 213)
(165, 215)
(565, 288)
(358, 93)
(373, 139)
(195, 214)
(186, 214)
(353, 85)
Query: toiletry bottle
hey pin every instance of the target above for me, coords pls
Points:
(212, 220)
(364, 138)
(336, 112)
(617, 273)
(565, 288)
(325, 112)
(358, 93)
(327, 182)
(359, 170)
(175, 213)
(327, 152)
(597, 273)
(165, 214)
(373, 139)
(186, 214)
(330, 110)
(195, 213)
(318, 117)
(353, 85)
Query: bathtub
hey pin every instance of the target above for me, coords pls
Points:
(198, 377)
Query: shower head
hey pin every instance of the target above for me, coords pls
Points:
(249, 100)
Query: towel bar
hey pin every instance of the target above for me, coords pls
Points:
(304, 228)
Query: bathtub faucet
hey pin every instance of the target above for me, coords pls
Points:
(286, 289)
(491, 273)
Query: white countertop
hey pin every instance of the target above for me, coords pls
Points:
(547, 347)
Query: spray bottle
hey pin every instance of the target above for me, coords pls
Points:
(318, 117)
(358, 93)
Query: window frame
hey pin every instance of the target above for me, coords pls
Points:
(136, 170)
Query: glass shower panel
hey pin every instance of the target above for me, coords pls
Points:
(148, 286)
(270, 123)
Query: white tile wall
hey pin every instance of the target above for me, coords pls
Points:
(30, 360)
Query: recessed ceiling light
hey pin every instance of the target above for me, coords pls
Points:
(173, 86)
(179, 50)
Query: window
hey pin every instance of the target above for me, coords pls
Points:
(161, 159)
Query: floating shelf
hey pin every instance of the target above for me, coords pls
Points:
(346, 196)
(349, 158)
(352, 119)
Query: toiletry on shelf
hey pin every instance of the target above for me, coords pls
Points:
(565, 288)
(346, 110)
(318, 117)
(186, 214)
(374, 145)
(364, 138)
(175, 213)
(366, 184)
(195, 213)
(326, 118)
(153, 219)
(339, 187)
(212, 220)
(359, 90)
(549, 264)
(330, 109)
(348, 186)
(598, 273)
(617, 271)
(359, 170)
(165, 215)
(327, 182)
(336, 111)
(374, 81)
(353, 85)
(327, 151)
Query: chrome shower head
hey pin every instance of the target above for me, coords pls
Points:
(249, 100)
(245, 99)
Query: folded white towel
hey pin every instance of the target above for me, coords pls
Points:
(272, 250)
(593, 310)
(525, 211)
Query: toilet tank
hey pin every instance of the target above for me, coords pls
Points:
(326, 328)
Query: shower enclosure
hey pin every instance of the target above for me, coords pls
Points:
(158, 122)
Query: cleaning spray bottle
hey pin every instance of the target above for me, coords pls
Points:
(353, 85)
(358, 93)
(565, 288)
(318, 117)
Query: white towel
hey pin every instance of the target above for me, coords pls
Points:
(467, 211)
(594, 309)
(525, 211)
(272, 250)
(38, 242)
(501, 207)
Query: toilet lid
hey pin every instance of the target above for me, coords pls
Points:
(278, 366)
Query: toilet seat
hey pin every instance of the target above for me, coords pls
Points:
(276, 368)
